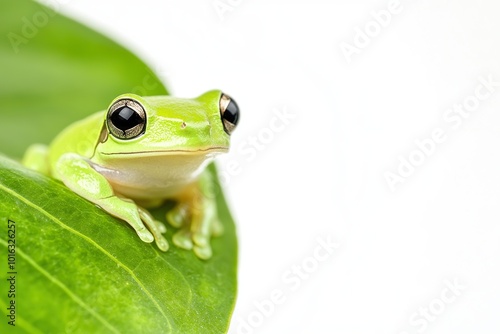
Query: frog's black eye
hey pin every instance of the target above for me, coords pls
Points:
(126, 119)
(229, 112)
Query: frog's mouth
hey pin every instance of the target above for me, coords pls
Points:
(203, 151)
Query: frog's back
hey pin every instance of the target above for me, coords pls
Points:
(80, 137)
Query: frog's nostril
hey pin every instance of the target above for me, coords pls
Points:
(183, 125)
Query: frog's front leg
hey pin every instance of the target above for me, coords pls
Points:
(196, 215)
(78, 175)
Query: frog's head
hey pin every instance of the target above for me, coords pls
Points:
(166, 125)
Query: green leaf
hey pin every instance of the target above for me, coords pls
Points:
(79, 269)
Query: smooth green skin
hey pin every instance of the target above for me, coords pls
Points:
(123, 176)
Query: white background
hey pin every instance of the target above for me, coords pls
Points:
(322, 175)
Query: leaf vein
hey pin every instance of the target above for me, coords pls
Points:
(62, 286)
(92, 242)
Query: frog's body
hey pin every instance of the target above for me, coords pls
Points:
(141, 152)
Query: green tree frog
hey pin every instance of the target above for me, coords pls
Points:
(142, 151)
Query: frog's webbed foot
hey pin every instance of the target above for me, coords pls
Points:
(156, 228)
(197, 228)
(196, 216)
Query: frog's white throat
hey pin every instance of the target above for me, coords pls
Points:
(152, 176)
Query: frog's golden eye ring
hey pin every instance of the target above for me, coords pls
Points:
(229, 112)
(126, 119)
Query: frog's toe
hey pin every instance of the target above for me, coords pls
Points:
(145, 235)
(161, 227)
(155, 229)
(177, 216)
(200, 239)
(183, 240)
(203, 252)
(162, 243)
